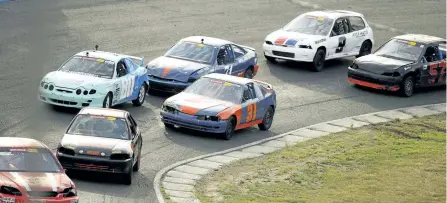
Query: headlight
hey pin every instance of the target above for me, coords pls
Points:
(70, 192)
(93, 91)
(10, 191)
(209, 118)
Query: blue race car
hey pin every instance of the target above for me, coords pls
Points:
(196, 56)
(221, 104)
(97, 79)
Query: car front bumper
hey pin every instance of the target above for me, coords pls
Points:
(100, 164)
(375, 81)
(73, 100)
(191, 122)
(170, 86)
(289, 53)
(25, 199)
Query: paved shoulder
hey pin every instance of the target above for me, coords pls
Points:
(177, 181)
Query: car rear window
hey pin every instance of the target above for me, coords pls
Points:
(99, 126)
(28, 160)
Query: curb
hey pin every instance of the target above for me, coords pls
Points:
(184, 175)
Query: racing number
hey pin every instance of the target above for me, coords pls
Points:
(251, 113)
(229, 69)
(341, 44)
(437, 77)
(127, 87)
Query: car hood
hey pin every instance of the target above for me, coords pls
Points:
(73, 80)
(35, 181)
(379, 64)
(173, 69)
(283, 37)
(98, 144)
(197, 105)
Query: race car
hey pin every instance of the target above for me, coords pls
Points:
(29, 172)
(96, 78)
(220, 104)
(320, 35)
(102, 140)
(196, 56)
(402, 64)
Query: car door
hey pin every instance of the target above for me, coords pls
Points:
(262, 102)
(250, 107)
(135, 83)
(225, 60)
(135, 136)
(338, 39)
(125, 82)
(434, 65)
(241, 63)
(357, 34)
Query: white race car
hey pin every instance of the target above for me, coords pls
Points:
(320, 35)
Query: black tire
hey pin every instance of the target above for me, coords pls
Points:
(248, 73)
(107, 103)
(150, 91)
(127, 177)
(229, 131)
(365, 49)
(318, 62)
(136, 167)
(270, 59)
(267, 120)
(141, 96)
(407, 86)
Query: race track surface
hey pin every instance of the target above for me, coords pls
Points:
(37, 36)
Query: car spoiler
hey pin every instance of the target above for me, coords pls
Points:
(245, 47)
(138, 60)
(264, 83)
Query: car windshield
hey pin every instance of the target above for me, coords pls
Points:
(28, 160)
(192, 51)
(99, 126)
(401, 49)
(90, 66)
(217, 89)
(311, 25)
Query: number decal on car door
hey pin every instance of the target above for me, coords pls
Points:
(437, 76)
(229, 69)
(251, 113)
(127, 87)
(341, 44)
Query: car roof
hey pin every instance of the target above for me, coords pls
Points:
(207, 40)
(334, 14)
(103, 112)
(421, 38)
(17, 142)
(102, 54)
(229, 78)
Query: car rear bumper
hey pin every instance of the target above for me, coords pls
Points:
(70, 100)
(191, 122)
(94, 164)
(167, 85)
(25, 199)
(375, 81)
(289, 53)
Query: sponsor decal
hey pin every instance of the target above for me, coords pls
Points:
(116, 152)
(286, 41)
(321, 40)
(360, 34)
(227, 84)
(280, 40)
(96, 153)
(17, 150)
(111, 118)
(412, 43)
(32, 150)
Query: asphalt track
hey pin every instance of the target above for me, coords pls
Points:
(37, 36)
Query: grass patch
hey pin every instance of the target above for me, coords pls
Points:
(399, 161)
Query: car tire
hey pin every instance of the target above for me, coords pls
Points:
(365, 49)
(150, 91)
(141, 96)
(267, 120)
(407, 86)
(270, 59)
(248, 73)
(229, 130)
(107, 103)
(127, 177)
(136, 167)
(319, 59)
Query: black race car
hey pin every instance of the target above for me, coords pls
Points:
(402, 64)
(103, 140)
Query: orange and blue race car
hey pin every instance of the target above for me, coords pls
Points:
(220, 104)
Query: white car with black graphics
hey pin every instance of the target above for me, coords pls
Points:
(320, 35)
(96, 79)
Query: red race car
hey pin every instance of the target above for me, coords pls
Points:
(29, 172)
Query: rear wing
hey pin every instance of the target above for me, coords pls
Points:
(266, 85)
(246, 47)
(137, 60)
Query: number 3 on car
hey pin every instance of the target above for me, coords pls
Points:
(251, 113)
(128, 84)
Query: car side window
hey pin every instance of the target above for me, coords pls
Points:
(432, 54)
(341, 27)
(442, 50)
(131, 125)
(130, 65)
(225, 55)
(252, 90)
(357, 23)
(121, 69)
(258, 91)
(133, 120)
(238, 51)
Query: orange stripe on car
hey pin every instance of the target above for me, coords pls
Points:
(372, 85)
(166, 70)
(189, 110)
(249, 124)
(234, 110)
(255, 70)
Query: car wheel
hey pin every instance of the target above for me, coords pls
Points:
(248, 73)
(136, 167)
(128, 176)
(319, 58)
(107, 103)
(270, 59)
(267, 120)
(229, 131)
(365, 49)
(407, 86)
(141, 96)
